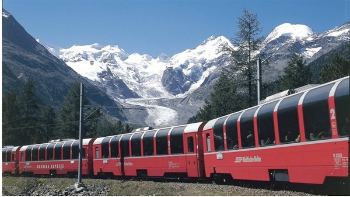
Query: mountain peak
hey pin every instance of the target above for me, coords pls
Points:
(5, 13)
(295, 31)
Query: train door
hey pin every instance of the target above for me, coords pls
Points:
(191, 156)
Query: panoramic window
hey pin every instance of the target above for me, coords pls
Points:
(342, 106)
(231, 131)
(4, 155)
(115, 146)
(265, 124)
(148, 143)
(28, 153)
(105, 147)
(247, 128)
(124, 144)
(66, 150)
(190, 144)
(8, 155)
(49, 152)
(136, 144)
(317, 127)
(35, 153)
(219, 133)
(162, 141)
(288, 122)
(176, 140)
(42, 152)
(58, 152)
(75, 150)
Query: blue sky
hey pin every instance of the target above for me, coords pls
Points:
(163, 26)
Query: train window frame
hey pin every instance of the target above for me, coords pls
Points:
(66, 149)
(265, 120)
(208, 142)
(162, 141)
(75, 150)
(114, 145)
(176, 140)
(289, 132)
(232, 131)
(316, 102)
(49, 152)
(247, 128)
(42, 152)
(35, 153)
(190, 144)
(105, 147)
(148, 141)
(124, 145)
(218, 131)
(58, 151)
(136, 145)
(342, 106)
(97, 153)
(28, 153)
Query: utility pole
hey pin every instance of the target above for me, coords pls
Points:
(80, 134)
(258, 77)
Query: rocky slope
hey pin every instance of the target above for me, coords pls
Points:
(24, 58)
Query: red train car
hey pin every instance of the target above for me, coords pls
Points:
(172, 151)
(10, 157)
(301, 138)
(55, 158)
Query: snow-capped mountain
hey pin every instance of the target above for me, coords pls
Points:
(136, 75)
(287, 39)
(169, 87)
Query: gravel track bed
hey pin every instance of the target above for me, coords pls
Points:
(31, 186)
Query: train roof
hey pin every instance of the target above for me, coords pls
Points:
(85, 142)
(304, 89)
(12, 148)
(189, 128)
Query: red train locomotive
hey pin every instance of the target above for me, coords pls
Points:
(300, 138)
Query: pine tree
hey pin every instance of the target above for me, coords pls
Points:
(248, 42)
(48, 121)
(296, 74)
(29, 115)
(204, 114)
(338, 68)
(10, 115)
(68, 118)
(127, 128)
(225, 98)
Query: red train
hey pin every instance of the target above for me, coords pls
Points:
(300, 138)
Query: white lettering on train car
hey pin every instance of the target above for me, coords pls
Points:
(125, 164)
(173, 165)
(340, 161)
(50, 166)
(248, 159)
